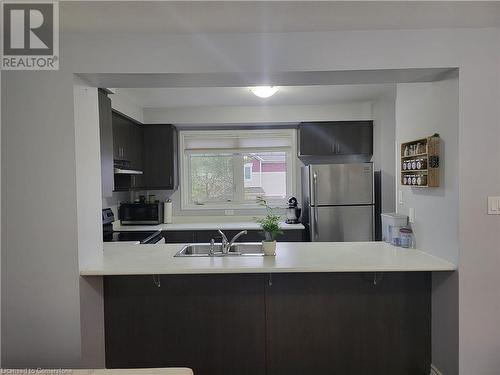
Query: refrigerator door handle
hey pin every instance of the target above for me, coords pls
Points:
(315, 216)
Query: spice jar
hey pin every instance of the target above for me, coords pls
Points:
(406, 238)
(422, 180)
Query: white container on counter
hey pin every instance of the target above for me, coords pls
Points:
(391, 224)
(167, 212)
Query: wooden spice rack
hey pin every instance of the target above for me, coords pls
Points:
(424, 153)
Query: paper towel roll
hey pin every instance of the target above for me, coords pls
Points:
(167, 212)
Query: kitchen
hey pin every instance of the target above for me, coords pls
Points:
(52, 198)
(192, 225)
(276, 140)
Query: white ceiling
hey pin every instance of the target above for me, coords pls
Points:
(241, 96)
(277, 16)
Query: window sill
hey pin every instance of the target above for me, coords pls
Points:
(215, 206)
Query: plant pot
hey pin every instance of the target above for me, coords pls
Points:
(269, 247)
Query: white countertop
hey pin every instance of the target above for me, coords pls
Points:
(127, 259)
(204, 223)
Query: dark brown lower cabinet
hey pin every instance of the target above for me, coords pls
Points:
(260, 324)
(204, 236)
(344, 324)
(211, 324)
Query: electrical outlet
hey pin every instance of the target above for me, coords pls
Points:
(411, 215)
(229, 212)
(493, 205)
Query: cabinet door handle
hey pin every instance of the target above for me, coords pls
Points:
(315, 202)
(333, 148)
(338, 148)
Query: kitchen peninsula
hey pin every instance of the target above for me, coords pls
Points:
(128, 259)
(313, 308)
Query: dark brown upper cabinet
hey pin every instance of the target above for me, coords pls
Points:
(127, 140)
(106, 143)
(335, 138)
(160, 157)
(128, 146)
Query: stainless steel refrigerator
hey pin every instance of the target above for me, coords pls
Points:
(338, 202)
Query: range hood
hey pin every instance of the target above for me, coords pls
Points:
(119, 170)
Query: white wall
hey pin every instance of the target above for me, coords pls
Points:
(39, 265)
(88, 162)
(498, 116)
(384, 141)
(40, 287)
(88, 180)
(123, 104)
(250, 114)
(423, 109)
(0, 223)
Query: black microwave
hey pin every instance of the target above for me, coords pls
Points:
(141, 213)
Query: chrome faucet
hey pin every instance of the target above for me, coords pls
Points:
(226, 245)
(224, 242)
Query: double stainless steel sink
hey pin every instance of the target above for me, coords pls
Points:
(216, 249)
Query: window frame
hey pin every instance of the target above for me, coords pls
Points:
(238, 167)
(250, 169)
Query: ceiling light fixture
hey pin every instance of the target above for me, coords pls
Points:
(264, 91)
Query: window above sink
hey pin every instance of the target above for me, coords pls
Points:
(230, 169)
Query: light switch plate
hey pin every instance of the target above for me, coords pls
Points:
(411, 215)
(229, 212)
(493, 205)
(400, 196)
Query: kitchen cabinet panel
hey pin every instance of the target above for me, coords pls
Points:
(204, 236)
(347, 324)
(128, 139)
(120, 136)
(106, 144)
(179, 236)
(160, 157)
(293, 324)
(352, 138)
(315, 139)
(213, 324)
(333, 138)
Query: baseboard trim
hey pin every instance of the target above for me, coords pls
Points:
(435, 371)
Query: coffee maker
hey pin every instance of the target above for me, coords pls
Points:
(293, 212)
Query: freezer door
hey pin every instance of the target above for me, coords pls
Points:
(341, 184)
(342, 223)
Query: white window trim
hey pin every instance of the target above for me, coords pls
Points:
(185, 186)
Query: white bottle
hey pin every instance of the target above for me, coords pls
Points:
(167, 212)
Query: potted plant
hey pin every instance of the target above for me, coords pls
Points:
(270, 226)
